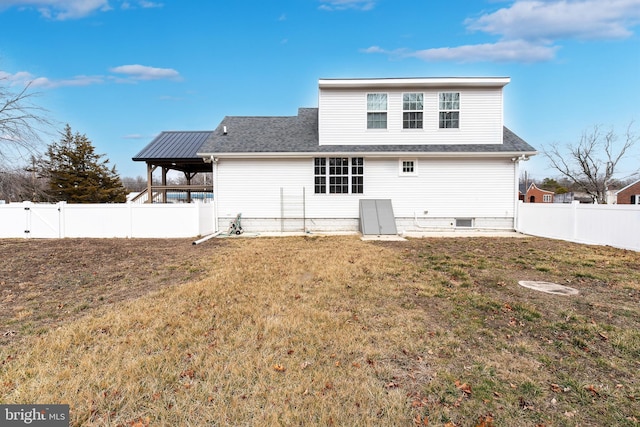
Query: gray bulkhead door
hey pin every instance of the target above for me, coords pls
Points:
(376, 217)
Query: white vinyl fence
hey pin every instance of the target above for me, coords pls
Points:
(60, 220)
(610, 225)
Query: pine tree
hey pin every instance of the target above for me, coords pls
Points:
(78, 175)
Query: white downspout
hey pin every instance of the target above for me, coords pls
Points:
(516, 181)
(216, 194)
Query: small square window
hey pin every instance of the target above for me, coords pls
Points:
(408, 167)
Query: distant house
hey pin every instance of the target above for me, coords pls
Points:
(416, 153)
(538, 195)
(629, 195)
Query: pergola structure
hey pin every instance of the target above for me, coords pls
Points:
(176, 150)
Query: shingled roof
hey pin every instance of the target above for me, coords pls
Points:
(299, 134)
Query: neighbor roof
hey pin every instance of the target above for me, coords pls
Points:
(628, 186)
(299, 135)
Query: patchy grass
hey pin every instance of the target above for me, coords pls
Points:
(336, 331)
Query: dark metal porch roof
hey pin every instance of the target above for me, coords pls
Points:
(176, 150)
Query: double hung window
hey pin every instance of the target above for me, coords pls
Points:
(376, 111)
(412, 110)
(449, 110)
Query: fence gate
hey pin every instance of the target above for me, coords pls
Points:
(42, 221)
(292, 210)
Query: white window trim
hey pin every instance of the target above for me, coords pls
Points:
(350, 176)
(421, 128)
(459, 110)
(401, 171)
(366, 124)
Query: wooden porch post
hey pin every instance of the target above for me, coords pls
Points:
(188, 176)
(149, 183)
(164, 184)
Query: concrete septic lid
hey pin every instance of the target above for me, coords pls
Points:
(548, 287)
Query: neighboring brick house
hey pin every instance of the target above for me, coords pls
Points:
(629, 195)
(538, 195)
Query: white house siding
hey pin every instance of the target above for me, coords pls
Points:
(343, 118)
(443, 190)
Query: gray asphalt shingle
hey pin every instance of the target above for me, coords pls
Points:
(299, 134)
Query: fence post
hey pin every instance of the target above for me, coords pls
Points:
(62, 232)
(574, 219)
(27, 219)
(130, 216)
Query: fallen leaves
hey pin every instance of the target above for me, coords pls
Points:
(485, 421)
(188, 373)
(463, 387)
(592, 389)
(140, 422)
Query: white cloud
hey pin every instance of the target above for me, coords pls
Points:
(142, 72)
(73, 9)
(332, 5)
(45, 83)
(59, 9)
(149, 4)
(375, 49)
(133, 73)
(528, 30)
(565, 19)
(23, 78)
(19, 78)
(504, 51)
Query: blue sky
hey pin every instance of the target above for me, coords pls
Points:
(122, 71)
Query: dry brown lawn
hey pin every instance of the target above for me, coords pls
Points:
(321, 331)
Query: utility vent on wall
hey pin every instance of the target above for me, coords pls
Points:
(464, 222)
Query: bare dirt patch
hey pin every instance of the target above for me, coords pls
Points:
(46, 282)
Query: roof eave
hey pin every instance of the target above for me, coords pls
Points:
(379, 154)
(414, 82)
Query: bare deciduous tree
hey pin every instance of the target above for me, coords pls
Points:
(591, 163)
(18, 185)
(21, 123)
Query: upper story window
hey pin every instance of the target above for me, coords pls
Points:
(376, 111)
(412, 106)
(449, 110)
